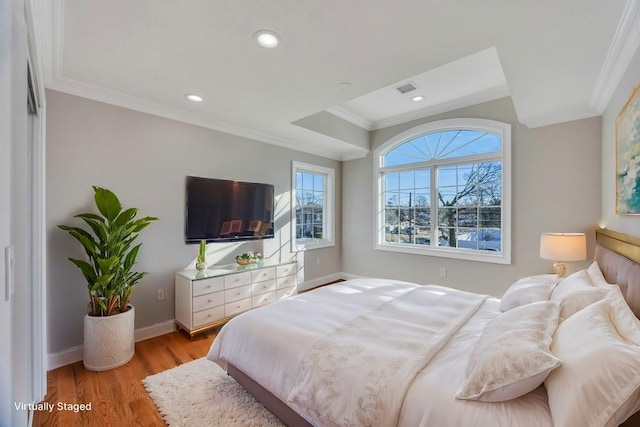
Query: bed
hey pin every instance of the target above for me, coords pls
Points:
(366, 352)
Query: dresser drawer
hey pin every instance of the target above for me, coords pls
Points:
(237, 279)
(204, 302)
(237, 307)
(287, 269)
(235, 294)
(208, 316)
(262, 287)
(262, 299)
(286, 292)
(286, 282)
(263, 274)
(206, 286)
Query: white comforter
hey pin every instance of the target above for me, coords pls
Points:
(372, 352)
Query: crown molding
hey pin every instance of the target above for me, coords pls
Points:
(108, 96)
(622, 49)
(351, 117)
(466, 101)
(563, 116)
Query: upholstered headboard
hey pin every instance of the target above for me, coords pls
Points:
(618, 256)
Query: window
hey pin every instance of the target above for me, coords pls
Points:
(443, 189)
(312, 206)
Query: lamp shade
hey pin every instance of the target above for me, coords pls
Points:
(563, 246)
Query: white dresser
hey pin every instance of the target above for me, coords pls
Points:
(210, 298)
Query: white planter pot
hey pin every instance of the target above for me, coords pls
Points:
(108, 341)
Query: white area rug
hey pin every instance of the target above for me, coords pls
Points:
(200, 393)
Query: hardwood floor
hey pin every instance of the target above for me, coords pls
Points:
(117, 396)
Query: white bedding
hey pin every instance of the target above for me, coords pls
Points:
(299, 350)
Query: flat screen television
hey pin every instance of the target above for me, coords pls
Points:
(223, 211)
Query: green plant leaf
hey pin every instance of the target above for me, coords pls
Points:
(87, 270)
(131, 257)
(107, 203)
(125, 217)
(108, 265)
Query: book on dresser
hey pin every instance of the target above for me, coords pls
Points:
(211, 297)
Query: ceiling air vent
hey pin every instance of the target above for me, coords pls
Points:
(407, 87)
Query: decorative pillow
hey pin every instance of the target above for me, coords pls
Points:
(512, 356)
(528, 290)
(599, 381)
(596, 276)
(575, 282)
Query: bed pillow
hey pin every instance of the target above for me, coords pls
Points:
(596, 276)
(599, 380)
(575, 282)
(576, 301)
(512, 356)
(528, 290)
(576, 292)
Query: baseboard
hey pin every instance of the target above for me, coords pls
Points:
(155, 330)
(310, 284)
(74, 354)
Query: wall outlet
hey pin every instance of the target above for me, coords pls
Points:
(443, 271)
(160, 294)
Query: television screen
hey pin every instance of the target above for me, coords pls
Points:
(222, 211)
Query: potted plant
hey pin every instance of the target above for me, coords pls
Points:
(248, 258)
(109, 325)
(201, 261)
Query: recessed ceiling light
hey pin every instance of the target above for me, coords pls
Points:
(417, 98)
(267, 39)
(194, 98)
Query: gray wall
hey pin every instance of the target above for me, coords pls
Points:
(622, 223)
(144, 159)
(555, 187)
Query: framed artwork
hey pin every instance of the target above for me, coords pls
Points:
(628, 157)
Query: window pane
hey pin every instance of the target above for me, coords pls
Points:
(307, 181)
(318, 182)
(406, 181)
(423, 218)
(490, 217)
(391, 181)
(468, 217)
(423, 178)
(446, 196)
(406, 199)
(447, 176)
(391, 199)
(490, 240)
(467, 238)
(447, 217)
(446, 236)
(422, 200)
(298, 180)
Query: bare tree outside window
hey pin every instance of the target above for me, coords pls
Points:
(471, 209)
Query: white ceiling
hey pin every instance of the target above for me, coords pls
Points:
(558, 60)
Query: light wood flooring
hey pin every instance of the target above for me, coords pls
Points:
(117, 396)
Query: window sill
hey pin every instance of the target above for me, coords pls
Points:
(315, 244)
(488, 257)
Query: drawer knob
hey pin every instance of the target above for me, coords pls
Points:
(238, 293)
(237, 306)
(209, 315)
(208, 301)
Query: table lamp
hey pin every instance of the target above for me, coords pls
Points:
(562, 247)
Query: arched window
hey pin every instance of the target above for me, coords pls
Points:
(443, 189)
